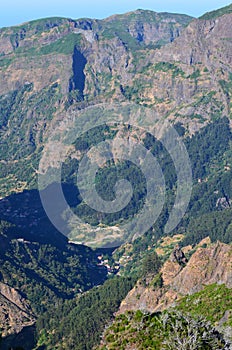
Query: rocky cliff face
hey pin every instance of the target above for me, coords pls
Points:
(175, 65)
(48, 65)
(49, 44)
(206, 266)
(15, 311)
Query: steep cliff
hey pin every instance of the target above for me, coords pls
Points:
(179, 277)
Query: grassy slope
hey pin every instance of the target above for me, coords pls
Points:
(150, 331)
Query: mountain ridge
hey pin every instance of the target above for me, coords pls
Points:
(167, 297)
(167, 78)
(173, 65)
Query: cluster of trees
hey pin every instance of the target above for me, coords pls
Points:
(24, 139)
(203, 153)
(106, 179)
(151, 264)
(206, 145)
(79, 323)
(209, 146)
(204, 148)
(212, 303)
(217, 225)
(46, 273)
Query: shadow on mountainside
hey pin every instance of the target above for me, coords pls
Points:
(26, 212)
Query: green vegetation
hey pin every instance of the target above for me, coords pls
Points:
(130, 92)
(195, 75)
(217, 224)
(94, 136)
(46, 273)
(217, 13)
(39, 25)
(204, 216)
(212, 303)
(25, 115)
(78, 324)
(166, 66)
(226, 86)
(202, 150)
(63, 46)
(5, 61)
(203, 211)
(106, 179)
(57, 277)
(157, 281)
(169, 330)
(151, 264)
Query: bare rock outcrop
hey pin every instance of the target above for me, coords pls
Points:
(15, 311)
(180, 277)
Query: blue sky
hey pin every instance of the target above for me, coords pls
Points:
(17, 11)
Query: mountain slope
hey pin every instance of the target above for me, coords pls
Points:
(217, 13)
(15, 312)
(182, 290)
(156, 314)
(81, 62)
(178, 277)
(34, 276)
(169, 330)
(184, 78)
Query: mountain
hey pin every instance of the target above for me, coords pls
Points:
(35, 276)
(217, 13)
(194, 287)
(83, 63)
(59, 79)
(162, 331)
(180, 276)
(77, 57)
(185, 291)
(172, 64)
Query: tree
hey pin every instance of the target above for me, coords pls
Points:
(151, 264)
